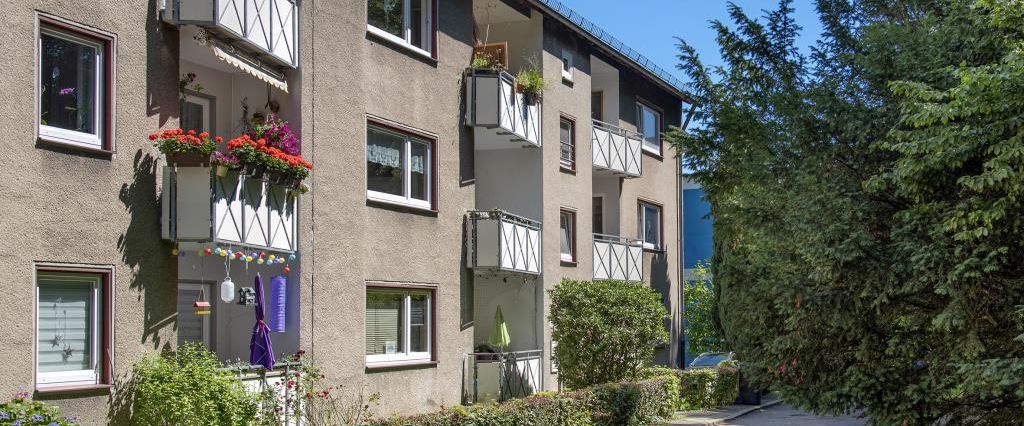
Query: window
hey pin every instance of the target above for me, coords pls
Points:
(407, 22)
(649, 123)
(567, 235)
(649, 220)
(567, 137)
(598, 209)
(192, 327)
(597, 106)
(71, 329)
(197, 113)
(567, 64)
(398, 325)
(74, 75)
(399, 168)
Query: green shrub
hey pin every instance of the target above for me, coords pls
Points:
(543, 409)
(706, 388)
(606, 330)
(186, 388)
(23, 411)
(635, 403)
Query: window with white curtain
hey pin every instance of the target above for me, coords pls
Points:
(407, 22)
(649, 221)
(72, 77)
(649, 124)
(567, 235)
(398, 325)
(69, 329)
(399, 168)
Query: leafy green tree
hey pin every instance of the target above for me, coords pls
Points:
(867, 203)
(606, 330)
(702, 332)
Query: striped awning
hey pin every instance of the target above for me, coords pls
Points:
(250, 66)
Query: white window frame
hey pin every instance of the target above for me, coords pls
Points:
(604, 209)
(567, 65)
(640, 107)
(406, 40)
(642, 218)
(71, 137)
(407, 356)
(570, 165)
(205, 319)
(74, 377)
(428, 168)
(571, 223)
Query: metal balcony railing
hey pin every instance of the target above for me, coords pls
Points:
(617, 149)
(493, 102)
(618, 258)
(258, 381)
(501, 241)
(267, 27)
(503, 376)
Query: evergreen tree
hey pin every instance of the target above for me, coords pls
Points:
(867, 203)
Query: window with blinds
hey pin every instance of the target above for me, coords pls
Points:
(192, 327)
(398, 325)
(69, 330)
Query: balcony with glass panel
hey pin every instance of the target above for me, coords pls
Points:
(616, 150)
(502, 115)
(499, 241)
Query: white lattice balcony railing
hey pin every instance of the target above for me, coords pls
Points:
(235, 210)
(503, 376)
(618, 258)
(264, 383)
(500, 241)
(267, 27)
(617, 149)
(493, 102)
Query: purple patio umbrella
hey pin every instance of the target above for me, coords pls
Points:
(260, 350)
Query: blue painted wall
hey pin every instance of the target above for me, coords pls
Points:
(696, 228)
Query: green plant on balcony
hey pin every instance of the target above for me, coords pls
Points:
(530, 82)
(484, 61)
(183, 148)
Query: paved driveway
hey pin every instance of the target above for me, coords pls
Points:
(784, 415)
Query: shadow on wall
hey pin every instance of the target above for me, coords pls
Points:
(162, 49)
(661, 283)
(153, 269)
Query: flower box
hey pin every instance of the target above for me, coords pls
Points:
(188, 159)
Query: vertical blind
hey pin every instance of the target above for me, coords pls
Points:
(67, 317)
(383, 322)
(190, 325)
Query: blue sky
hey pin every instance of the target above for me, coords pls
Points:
(649, 26)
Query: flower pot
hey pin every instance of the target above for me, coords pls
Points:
(531, 98)
(222, 170)
(188, 159)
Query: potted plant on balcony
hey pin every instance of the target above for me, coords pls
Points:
(185, 149)
(224, 162)
(530, 82)
(259, 159)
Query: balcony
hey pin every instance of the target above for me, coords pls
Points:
(503, 242)
(618, 258)
(256, 381)
(617, 150)
(495, 107)
(503, 376)
(232, 210)
(269, 28)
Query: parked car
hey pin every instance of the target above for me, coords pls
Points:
(711, 359)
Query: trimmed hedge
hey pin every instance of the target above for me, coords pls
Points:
(635, 403)
(628, 403)
(706, 388)
(542, 409)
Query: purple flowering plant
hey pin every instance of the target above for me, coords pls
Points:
(21, 410)
(224, 159)
(277, 134)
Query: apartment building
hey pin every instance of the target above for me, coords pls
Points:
(440, 193)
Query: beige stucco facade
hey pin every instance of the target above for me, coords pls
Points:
(66, 206)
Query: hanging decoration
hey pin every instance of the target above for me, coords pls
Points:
(278, 303)
(246, 296)
(227, 290)
(201, 305)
